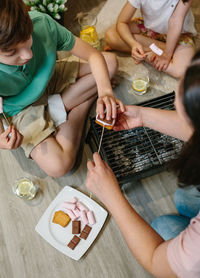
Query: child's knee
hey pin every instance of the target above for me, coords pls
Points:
(60, 166)
(110, 37)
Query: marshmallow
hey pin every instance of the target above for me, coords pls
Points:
(71, 214)
(74, 200)
(76, 211)
(81, 206)
(83, 216)
(69, 205)
(156, 49)
(91, 218)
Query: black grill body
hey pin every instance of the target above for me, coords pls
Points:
(137, 153)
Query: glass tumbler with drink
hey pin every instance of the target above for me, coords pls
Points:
(140, 83)
(88, 31)
(25, 188)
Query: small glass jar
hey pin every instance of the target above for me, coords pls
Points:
(140, 83)
(25, 188)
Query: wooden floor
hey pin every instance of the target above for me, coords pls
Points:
(24, 254)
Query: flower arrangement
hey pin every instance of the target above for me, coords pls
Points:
(51, 7)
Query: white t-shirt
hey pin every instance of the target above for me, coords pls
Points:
(156, 14)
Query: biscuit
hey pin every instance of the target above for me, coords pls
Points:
(61, 218)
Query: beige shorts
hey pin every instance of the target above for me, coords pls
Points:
(34, 122)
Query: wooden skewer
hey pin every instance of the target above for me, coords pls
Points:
(6, 119)
(99, 148)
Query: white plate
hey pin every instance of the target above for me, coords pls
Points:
(58, 236)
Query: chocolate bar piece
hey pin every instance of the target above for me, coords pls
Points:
(74, 241)
(85, 232)
(76, 227)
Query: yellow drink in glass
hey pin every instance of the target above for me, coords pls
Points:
(25, 188)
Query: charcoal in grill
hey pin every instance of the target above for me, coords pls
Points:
(137, 153)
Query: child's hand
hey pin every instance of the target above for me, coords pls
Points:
(110, 104)
(160, 63)
(129, 119)
(11, 138)
(101, 180)
(137, 52)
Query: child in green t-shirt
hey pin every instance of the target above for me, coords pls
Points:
(29, 74)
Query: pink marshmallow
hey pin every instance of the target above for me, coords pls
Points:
(76, 211)
(71, 214)
(68, 205)
(1, 105)
(91, 218)
(81, 206)
(74, 200)
(83, 216)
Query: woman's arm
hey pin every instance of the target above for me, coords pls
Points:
(164, 121)
(146, 245)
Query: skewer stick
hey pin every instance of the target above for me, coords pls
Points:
(100, 142)
(6, 119)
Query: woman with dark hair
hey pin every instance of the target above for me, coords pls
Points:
(172, 247)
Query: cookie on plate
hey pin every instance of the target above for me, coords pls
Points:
(61, 218)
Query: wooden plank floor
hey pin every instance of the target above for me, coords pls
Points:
(24, 254)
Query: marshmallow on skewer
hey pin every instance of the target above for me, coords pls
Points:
(156, 49)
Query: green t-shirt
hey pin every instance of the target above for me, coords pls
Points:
(20, 86)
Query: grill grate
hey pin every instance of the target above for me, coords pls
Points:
(137, 153)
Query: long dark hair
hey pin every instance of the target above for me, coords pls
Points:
(187, 165)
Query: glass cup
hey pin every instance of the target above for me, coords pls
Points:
(140, 83)
(25, 188)
(88, 31)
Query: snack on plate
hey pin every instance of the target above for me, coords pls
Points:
(85, 232)
(107, 123)
(76, 227)
(61, 218)
(73, 242)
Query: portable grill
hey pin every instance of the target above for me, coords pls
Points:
(136, 153)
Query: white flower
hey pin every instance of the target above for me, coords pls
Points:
(50, 7)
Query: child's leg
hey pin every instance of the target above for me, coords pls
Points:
(113, 39)
(170, 226)
(57, 155)
(187, 201)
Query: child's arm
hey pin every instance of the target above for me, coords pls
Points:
(99, 70)
(124, 31)
(175, 26)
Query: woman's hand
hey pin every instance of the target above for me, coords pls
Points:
(160, 63)
(101, 180)
(11, 138)
(131, 118)
(110, 104)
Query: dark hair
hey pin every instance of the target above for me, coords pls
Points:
(15, 23)
(187, 165)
